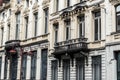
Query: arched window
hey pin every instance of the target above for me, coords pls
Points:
(118, 18)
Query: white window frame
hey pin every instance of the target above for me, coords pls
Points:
(99, 26)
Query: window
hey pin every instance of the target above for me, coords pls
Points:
(3, 15)
(68, 3)
(35, 23)
(23, 67)
(80, 68)
(57, 4)
(68, 31)
(81, 26)
(36, 0)
(54, 72)
(33, 65)
(96, 67)
(5, 68)
(26, 27)
(46, 20)
(9, 32)
(18, 1)
(0, 66)
(118, 65)
(66, 69)
(44, 64)
(27, 3)
(9, 12)
(17, 26)
(56, 32)
(97, 25)
(13, 67)
(118, 18)
(2, 34)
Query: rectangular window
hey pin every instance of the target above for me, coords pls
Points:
(68, 31)
(17, 26)
(5, 68)
(97, 25)
(96, 67)
(26, 25)
(36, 23)
(118, 65)
(117, 18)
(80, 64)
(9, 32)
(33, 65)
(0, 66)
(54, 72)
(56, 32)
(81, 26)
(2, 34)
(66, 69)
(44, 64)
(57, 5)
(13, 67)
(46, 20)
(23, 67)
(18, 1)
(68, 3)
(27, 3)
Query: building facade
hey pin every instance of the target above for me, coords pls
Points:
(59, 39)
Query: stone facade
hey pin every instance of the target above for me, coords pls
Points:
(77, 35)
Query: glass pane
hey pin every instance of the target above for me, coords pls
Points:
(54, 70)
(66, 69)
(118, 8)
(33, 65)
(96, 29)
(44, 64)
(118, 22)
(80, 68)
(96, 66)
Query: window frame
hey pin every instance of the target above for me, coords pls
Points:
(56, 26)
(0, 66)
(80, 62)
(35, 23)
(54, 70)
(94, 62)
(17, 33)
(81, 21)
(9, 31)
(44, 54)
(23, 68)
(98, 18)
(67, 29)
(46, 17)
(117, 12)
(2, 37)
(26, 26)
(66, 72)
(33, 65)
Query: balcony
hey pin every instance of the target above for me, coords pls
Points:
(71, 46)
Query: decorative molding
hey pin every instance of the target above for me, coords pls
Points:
(114, 2)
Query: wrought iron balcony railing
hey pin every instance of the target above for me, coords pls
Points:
(69, 46)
